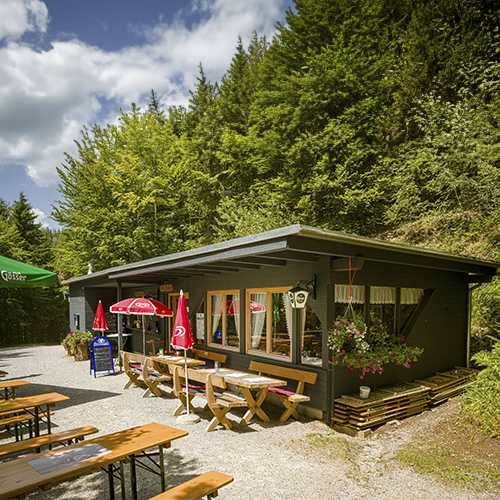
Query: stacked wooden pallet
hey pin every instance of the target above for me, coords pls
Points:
(448, 384)
(354, 415)
(382, 405)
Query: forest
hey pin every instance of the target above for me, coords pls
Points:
(374, 117)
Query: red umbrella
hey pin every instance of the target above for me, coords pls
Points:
(143, 306)
(182, 338)
(100, 322)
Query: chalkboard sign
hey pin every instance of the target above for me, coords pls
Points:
(101, 355)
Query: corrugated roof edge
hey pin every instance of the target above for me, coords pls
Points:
(294, 230)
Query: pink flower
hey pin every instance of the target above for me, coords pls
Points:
(397, 362)
(344, 321)
(350, 327)
(390, 352)
(361, 377)
(337, 323)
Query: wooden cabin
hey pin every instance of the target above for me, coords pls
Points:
(238, 305)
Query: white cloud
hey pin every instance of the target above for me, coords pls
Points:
(41, 218)
(47, 96)
(19, 16)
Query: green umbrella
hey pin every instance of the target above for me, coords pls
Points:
(14, 274)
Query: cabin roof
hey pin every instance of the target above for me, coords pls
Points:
(297, 243)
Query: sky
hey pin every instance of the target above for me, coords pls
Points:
(67, 64)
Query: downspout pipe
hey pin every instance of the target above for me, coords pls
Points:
(469, 320)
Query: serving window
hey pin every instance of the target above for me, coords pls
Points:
(224, 318)
(269, 322)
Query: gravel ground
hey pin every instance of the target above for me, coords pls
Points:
(269, 461)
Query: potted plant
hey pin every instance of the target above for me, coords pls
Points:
(77, 344)
(358, 348)
(69, 344)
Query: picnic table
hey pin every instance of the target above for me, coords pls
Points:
(10, 387)
(32, 405)
(168, 359)
(22, 475)
(254, 388)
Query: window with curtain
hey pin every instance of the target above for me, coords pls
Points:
(224, 318)
(311, 334)
(410, 299)
(345, 295)
(382, 310)
(269, 322)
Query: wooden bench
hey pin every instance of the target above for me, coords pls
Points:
(207, 484)
(209, 355)
(10, 388)
(142, 370)
(77, 434)
(19, 419)
(209, 385)
(290, 399)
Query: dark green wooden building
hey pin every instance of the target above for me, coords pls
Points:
(238, 305)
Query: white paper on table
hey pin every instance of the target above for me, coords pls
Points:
(165, 357)
(69, 457)
(236, 375)
(257, 379)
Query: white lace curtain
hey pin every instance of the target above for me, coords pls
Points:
(411, 295)
(288, 314)
(342, 294)
(216, 313)
(258, 319)
(378, 295)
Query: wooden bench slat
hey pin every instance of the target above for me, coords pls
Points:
(202, 486)
(289, 399)
(48, 439)
(210, 355)
(25, 417)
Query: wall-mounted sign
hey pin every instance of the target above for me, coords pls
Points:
(166, 288)
(139, 294)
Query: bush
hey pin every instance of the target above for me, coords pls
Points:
(481, 401)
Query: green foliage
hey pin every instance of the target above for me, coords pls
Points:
(29, 315)
(374, 117)
(481, 401)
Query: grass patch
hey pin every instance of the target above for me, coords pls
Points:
(325, 447)
(450, 466)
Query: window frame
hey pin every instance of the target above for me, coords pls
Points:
(268, 354)
(209, 339)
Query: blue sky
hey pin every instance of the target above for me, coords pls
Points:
(66, 64)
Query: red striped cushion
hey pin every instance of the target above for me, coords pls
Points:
(279, 390)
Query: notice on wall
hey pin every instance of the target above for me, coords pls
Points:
(200, 326)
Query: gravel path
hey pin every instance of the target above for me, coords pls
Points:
(269, 461)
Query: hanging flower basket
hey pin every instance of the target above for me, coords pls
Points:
(368, 351)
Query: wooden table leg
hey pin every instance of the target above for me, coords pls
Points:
(254, 405)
